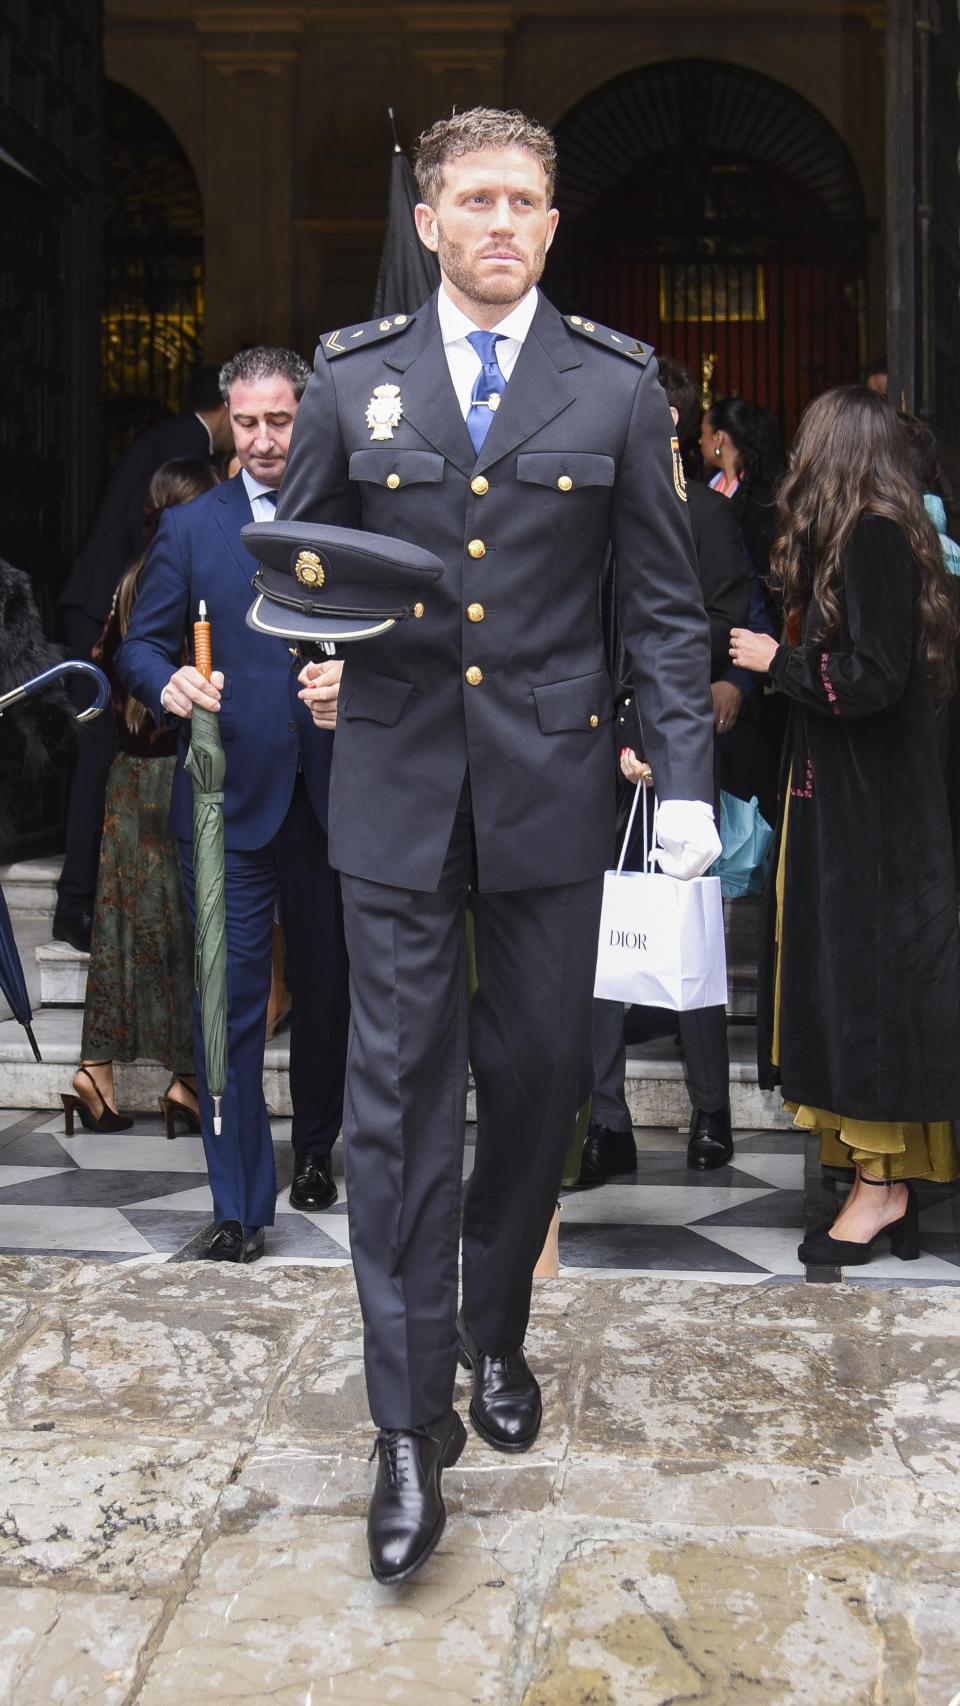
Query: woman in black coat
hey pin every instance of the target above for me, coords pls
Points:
(859, 1006)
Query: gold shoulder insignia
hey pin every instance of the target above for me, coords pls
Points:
(347, 338)
(622, 343)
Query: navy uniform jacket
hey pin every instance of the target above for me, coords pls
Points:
(264, 727)
(505, 673)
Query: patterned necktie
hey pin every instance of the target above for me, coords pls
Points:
(488, 389)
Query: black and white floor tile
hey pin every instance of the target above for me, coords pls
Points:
(137, 1197)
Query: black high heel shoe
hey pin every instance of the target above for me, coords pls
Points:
(172, 1107)
(904, 1235)
(105, 1120)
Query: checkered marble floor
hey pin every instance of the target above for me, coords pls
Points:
(137, 1197)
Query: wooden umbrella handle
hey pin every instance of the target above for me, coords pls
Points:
(202, 645)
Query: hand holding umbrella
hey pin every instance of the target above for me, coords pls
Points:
(206, 764)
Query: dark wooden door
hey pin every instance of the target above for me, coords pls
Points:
(50, 79)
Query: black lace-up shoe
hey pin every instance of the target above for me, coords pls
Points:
(606, 1153)
(313, 1188)
(506, 1408)
(711, 1142)
(407, 1513)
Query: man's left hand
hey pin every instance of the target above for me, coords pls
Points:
(687, 839)
(320, 690)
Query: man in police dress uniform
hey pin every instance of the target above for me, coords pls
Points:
(473, 752)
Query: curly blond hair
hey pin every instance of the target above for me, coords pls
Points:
(468, 133)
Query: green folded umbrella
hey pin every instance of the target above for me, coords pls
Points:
(206, 764)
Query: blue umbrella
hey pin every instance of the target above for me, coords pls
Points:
(12, 983)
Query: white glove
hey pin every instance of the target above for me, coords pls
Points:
(687, 842)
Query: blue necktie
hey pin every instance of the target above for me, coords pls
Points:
(270, 498)
(489, 383)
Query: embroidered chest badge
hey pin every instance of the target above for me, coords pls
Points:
(384, 412)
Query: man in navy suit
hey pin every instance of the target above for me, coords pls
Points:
(275, 810)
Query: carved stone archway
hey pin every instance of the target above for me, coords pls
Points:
(715, 212)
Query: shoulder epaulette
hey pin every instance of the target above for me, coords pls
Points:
(347, 338)
(622, 342)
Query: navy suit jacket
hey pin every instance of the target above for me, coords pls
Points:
(265, 729)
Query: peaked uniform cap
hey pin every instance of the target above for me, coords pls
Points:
(334, 583)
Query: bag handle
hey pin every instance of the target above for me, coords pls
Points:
(648, 854)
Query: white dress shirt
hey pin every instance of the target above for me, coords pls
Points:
(463, 360)
(263, 499)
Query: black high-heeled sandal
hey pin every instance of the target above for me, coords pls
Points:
(106, 1120)
(904, 1235)
(172, 1108)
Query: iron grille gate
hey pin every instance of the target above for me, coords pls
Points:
(776, 326)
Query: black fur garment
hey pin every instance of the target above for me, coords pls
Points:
(31, 734)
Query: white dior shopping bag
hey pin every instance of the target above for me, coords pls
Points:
(661, 940)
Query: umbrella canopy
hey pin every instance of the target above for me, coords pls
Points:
(409, 273)
(206, 764)
(12, 984)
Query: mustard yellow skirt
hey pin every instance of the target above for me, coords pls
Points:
(885, 1149)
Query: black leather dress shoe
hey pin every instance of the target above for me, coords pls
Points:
(605, 1153)
(73, 926)
(506, 1408)
(312, 1186)
(407, 1513)
(228, 1244)
(711, 1144)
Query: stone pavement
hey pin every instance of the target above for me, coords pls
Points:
(742, 1496)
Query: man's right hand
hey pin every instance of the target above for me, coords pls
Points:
(187, 687)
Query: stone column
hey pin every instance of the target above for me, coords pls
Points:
(249, 83)
(460, 57)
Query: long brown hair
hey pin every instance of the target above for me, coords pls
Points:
(850, 459)
(176, 482)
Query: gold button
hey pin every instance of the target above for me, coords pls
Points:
(474, 675)
(475, 613)
(399, 319)
(589, 326)
(477, 548)
(393, 481)
(418, 611)
(384, 325)
(479, 486)
(575, 320)
(565, 483)
(594, 721)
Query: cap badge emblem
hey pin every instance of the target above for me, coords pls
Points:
(309, 569)
(384, 412)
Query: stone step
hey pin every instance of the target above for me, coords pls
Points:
(30, 887)
(656, 1094)
(63, 980)
(62, 973)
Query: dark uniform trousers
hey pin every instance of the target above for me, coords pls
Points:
(528, 1040)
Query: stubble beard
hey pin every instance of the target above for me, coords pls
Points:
(490, 291)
